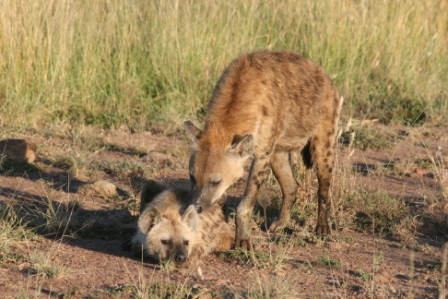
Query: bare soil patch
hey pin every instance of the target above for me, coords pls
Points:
(75, 251)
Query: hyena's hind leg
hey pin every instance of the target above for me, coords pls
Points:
(282, 168)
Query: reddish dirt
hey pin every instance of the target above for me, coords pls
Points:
(97, 266)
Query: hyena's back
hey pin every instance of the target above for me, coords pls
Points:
(280, 97)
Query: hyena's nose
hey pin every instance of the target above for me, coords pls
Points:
(180, 258)
(198, 209)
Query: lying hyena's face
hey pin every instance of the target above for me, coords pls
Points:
(168, 238)
(213, 169)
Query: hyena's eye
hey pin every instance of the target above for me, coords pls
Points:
(186, 242)
(214, 183)
(165, 241)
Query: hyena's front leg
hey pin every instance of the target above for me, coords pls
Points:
(282, 169)
(244, 210)
(323, 155)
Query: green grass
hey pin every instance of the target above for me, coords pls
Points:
(326, 261)
(367, 137)
(140, 63)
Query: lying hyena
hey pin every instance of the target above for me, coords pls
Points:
(170, 229)
(266, 105)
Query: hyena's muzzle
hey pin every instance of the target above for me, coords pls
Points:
(203, 200)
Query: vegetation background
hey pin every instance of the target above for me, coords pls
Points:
(140, 63)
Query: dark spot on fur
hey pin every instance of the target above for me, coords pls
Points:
(330, 133)
(265, 111)
(263, 82)
(330, 169)
(326, 160)
(328, 145)
(261, 173)
(276, 83)
(328, 154)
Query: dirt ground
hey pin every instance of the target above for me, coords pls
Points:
(351, 264)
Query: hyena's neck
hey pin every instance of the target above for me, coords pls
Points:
(236, 107)
(221, 134)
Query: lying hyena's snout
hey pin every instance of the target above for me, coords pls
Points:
(180, 256)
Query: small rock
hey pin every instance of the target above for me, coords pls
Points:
(24, 266)
(205, 296)
(221, 282)
(430, 175)
(280, 272)
(336, 246)
(423, 277)
(419, 171)
(382, 277)
(99, 188)
(433, 281)
(18, 150)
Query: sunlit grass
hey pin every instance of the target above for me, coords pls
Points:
(139, 63)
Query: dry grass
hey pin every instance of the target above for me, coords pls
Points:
(139, 63)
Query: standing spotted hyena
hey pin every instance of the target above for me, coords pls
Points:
(266, 105)
(170, 229)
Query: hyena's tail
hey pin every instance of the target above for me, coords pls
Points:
(306, 155)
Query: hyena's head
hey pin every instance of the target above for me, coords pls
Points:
(168, 236)
(215, 166)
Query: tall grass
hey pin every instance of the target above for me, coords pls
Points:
(137, 63)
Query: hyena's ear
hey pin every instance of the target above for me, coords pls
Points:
(150, 191)
(243, 145)
(148, 219)
(191, 218)
(193, 131)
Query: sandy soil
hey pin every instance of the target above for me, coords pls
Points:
(95, 265)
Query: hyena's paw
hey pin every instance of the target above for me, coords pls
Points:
(323, 227)
(277, 225)
(243, 244)
(242, 233)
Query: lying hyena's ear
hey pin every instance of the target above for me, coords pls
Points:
(148, 219)
(193, 131)
(191, 218)
(243, 145)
